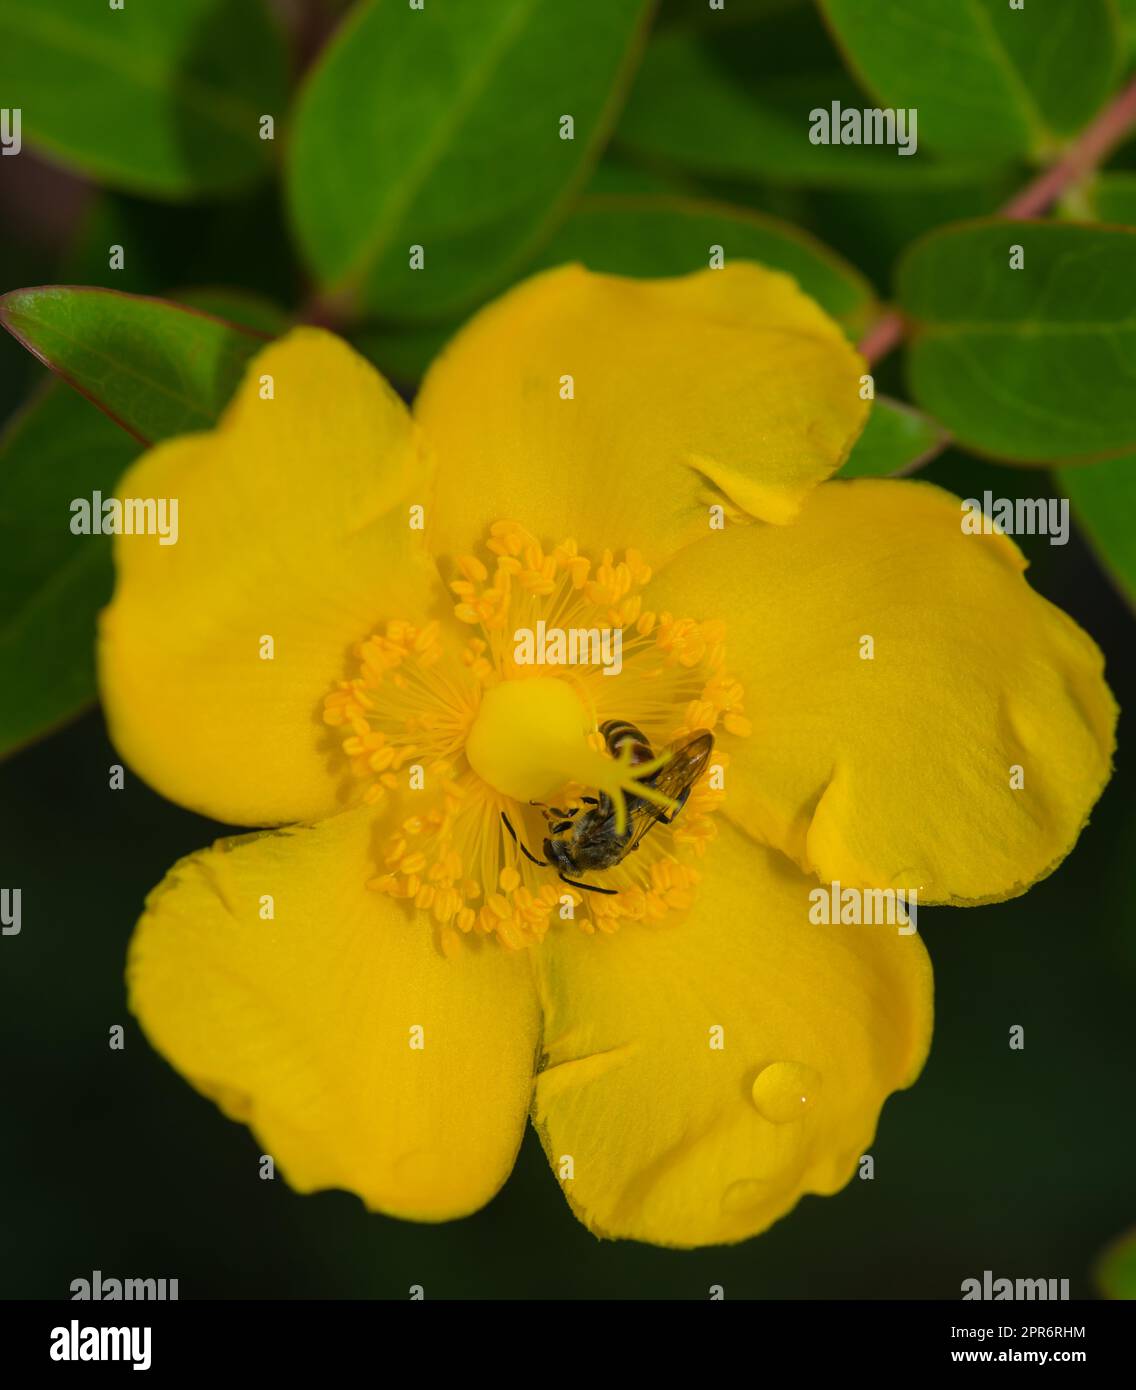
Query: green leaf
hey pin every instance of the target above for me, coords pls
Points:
(1103, 496)
(617, 177)
(984, 78)
(896, 439)
(164, 99)
(682, 12)
(52, 583)
(237, 307)
(155, 368)
(1031, 365)
(666, 235)
(735, 104)
(441, 128)
(1112, 196)
(1115, 1270)
(1127, 11)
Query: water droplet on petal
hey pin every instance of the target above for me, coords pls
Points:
(785, 1091)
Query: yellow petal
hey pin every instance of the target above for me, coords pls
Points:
(292, 527)
(676, 1141)
(728, 377)
(900, 768)
(301, 1026)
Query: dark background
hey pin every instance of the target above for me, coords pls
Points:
(1017, 1162)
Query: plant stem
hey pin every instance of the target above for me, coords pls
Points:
(1094, 144)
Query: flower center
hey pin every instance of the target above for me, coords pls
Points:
(512, 787)
(530, 737)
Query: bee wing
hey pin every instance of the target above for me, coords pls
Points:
(674, 779)
(641, 817)
(687, 764)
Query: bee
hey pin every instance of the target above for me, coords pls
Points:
(584, 840)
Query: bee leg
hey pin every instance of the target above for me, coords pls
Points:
(521, 844)
(560, 827)
(590, 800)
(552, 810)
(588, 887)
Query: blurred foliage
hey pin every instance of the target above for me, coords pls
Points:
(984, 79)
(1116, 1268)
(158, 99)
(1104, 502)
(51, 589)
(145, 172)
(1112, 198)
(157, 369)
(734, 102)
(444, 128)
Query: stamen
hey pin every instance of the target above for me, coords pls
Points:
(449, 742)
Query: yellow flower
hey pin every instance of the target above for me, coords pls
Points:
(385, 989)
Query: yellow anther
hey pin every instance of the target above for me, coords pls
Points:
(472, 568)
(579, 570)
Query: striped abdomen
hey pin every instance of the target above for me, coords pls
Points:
(619, 734)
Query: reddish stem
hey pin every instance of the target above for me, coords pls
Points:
(1081, 158)
(883, 336)
(1095, 142)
